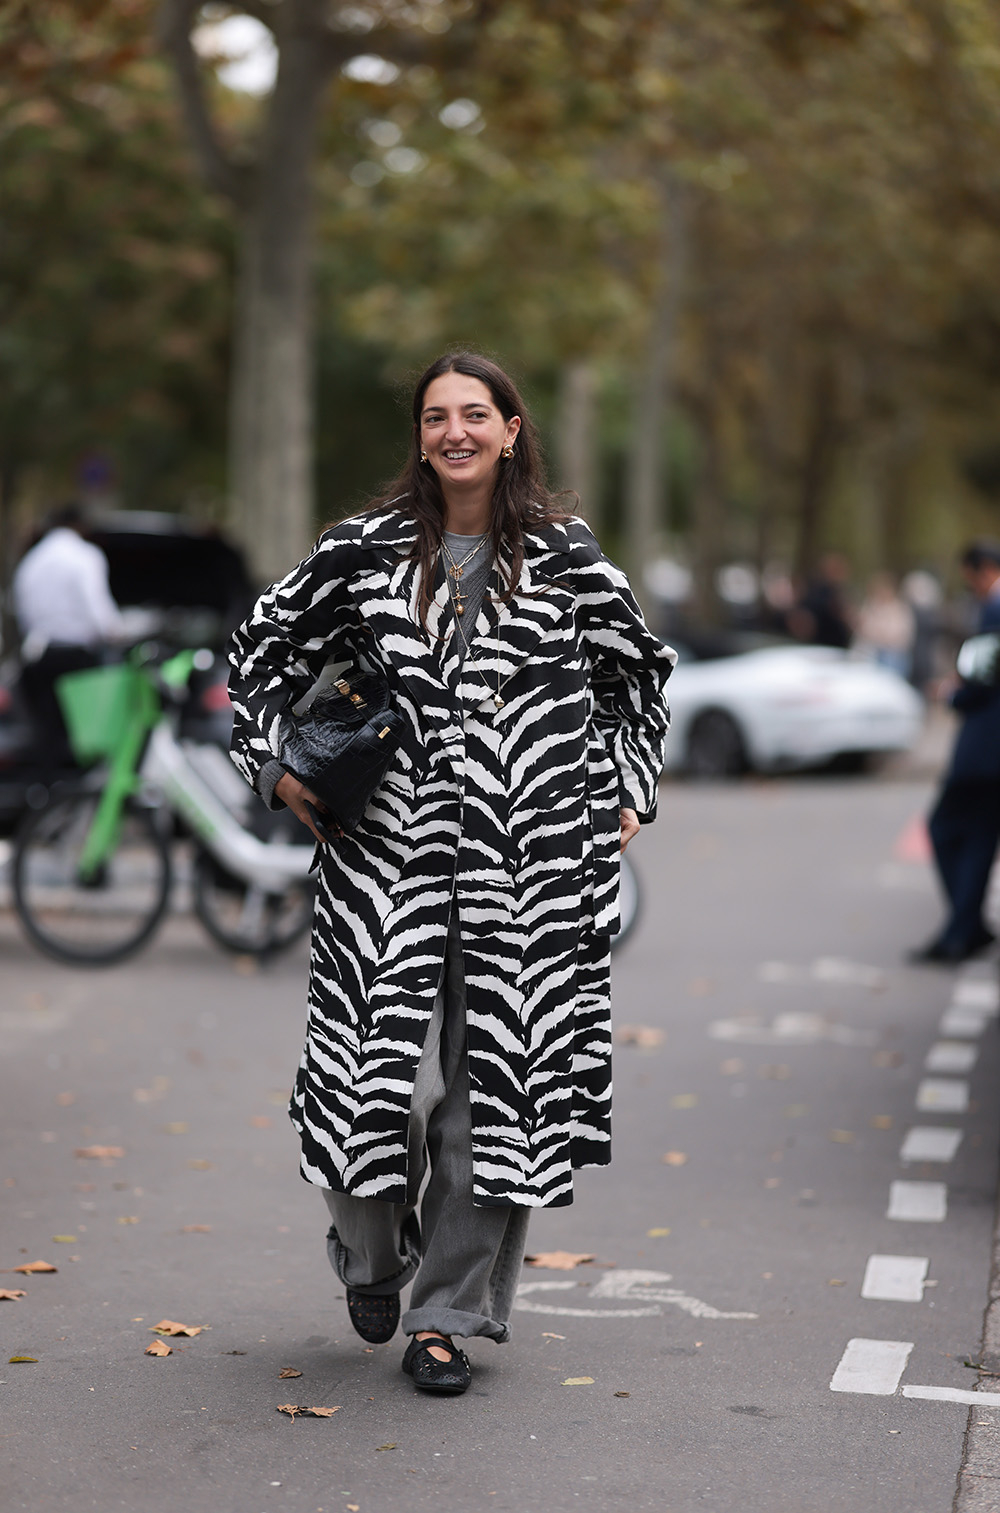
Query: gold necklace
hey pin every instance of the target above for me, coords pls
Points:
(498, 699)
(457, 568)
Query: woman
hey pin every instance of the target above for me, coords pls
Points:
(459, 991)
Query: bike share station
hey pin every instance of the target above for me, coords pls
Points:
(156, 823)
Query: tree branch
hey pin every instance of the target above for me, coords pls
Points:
(175, 22)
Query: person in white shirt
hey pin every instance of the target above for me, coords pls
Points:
(66, 615)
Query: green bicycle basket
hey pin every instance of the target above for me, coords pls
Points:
(100, 705)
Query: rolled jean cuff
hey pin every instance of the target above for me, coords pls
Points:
(385, 1286)
(452, 1321)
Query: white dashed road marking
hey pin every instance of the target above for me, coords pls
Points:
(968, 1022)
(645, 1287)
(873, 1366)
(943, 1095)
(955, 1395)
(895, 1279)
(977, 993)
(918, 1202)
(930, 1143)
(951, 1056)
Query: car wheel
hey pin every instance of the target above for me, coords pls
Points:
(715, 747)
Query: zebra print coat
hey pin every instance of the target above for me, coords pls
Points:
(511, 813)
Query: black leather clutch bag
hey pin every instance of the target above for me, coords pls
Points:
(342, 746)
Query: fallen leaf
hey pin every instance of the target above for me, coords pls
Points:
(701, 987)
(261, 1121)
(11, 1294)
(288, 1371)
(646, 1036)
(23, 1360)
(200, 1166)
(546, 1335)
(353, 1507)
(234, 1352)
(657, 1234)
(684, 1100)
(731, 1068)
(178, 1127)
(623, 1394)
(887, 1058)
(290, 1408)
(128, 1219)
(881, 1121)
(835, 1282)
(579, 1381)
(171, 1327)
(323, 1412)
(558, 1260)
(390, 1446)
(64, 1239)
(842, 1136)
(31, 1267)
(157, 1347)
(64, 1100)
(196, 1229)
(772, 1181)
(100, 1152)
(674, 1158)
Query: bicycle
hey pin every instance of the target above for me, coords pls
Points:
(93, 869)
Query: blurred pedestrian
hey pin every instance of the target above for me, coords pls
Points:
(66, 616)
(460, 1013)
(965, 823)
(822, 616)
(885, 625)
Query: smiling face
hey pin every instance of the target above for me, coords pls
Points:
(463, 432)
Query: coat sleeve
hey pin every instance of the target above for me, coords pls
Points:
(280, 650)
(629, 667)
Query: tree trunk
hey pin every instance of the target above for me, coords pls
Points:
(271, 415)
(822, 441)
(647, 495)
(576, 434)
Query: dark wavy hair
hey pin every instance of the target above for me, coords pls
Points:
(521, 497)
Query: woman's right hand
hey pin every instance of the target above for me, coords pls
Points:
(296, 795)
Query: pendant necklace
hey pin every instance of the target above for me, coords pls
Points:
(455, 573)
(456, 569)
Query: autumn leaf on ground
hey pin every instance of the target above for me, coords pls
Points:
(390, 1446)
(11, 1294)
(322, 1412)
(674, 1158)
(23, 1360)
(657, 1234)
(842, 1136)
(171, 1327)
(646, 1036)
(196, 1229)
(546, 1335)
(579, 1381)
(64, 1239)
(177, 1127)
(261, 1121)
(128, 1219)
(623, 1394)
(300, 1410)
(100, 1152)
(158, 1347)
(684, 1100)
(558, 1260)
(200, 1166)
(287, 1371)
(30, 1268)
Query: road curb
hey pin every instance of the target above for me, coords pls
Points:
(978, 1489)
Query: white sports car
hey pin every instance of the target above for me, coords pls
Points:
(783, 707)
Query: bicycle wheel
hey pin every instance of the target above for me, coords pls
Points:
(107, 918)
(243, 917)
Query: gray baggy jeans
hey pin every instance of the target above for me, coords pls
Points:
(466, 1260)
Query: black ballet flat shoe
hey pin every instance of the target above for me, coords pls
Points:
(432, 1375)
(374, 1318)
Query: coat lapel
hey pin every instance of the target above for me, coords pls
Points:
(388, 597)
(505, 635)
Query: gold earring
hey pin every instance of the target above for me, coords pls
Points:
(423, 455)
(508, 450)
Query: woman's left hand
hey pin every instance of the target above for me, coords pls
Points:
(630, 826)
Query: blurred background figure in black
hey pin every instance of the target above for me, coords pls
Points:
(822, 616)
(965, 823)
(66, 616)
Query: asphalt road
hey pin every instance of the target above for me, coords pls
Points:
(728, 1280)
